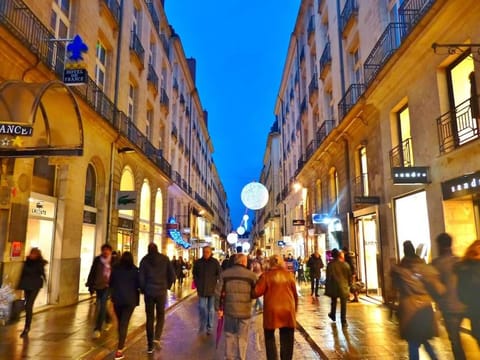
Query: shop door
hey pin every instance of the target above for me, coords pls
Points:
(87, 254)
(369, 254)
(124, 240)
(40, 235)
(143, 241)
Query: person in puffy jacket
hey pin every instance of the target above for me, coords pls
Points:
(233, 301)
(31, 281)
(468, 272)
(156, 276)
(124, 287)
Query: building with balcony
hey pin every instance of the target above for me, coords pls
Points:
(386, 151)
(96, 162)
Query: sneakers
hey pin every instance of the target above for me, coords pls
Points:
(119, 355)
(150, 349)
(209, 331)
(96, 334)
(332, 316)
(108, 326)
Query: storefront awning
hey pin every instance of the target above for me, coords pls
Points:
(39, 119)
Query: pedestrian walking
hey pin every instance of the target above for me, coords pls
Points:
(98, 281)
(156, 276)
(349, 257)
(206, 273)
(257, 266)
(277, 285)
(416, 282)
(315, 266)
(31, 281)
(124, 286)
(233, 302)
(453, 310)
(468, 272)
(180, 267)
(337, 285)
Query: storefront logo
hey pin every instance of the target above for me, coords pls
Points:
(16, 129)
(411, 175)
(174, 233)
(461, 186)
(126, 200)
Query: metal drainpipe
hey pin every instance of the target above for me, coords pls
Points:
(115, 105)
(340, 50)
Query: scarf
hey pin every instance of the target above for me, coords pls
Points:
(107, 269)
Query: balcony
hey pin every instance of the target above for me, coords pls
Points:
(153, 14)
(113, 8)
(459, 126)
(325, 61)
(349, 15)
(387, 44)
(303, 106)
(136, 48)
(152, 77)
(402, 154)
(182, 101)
(350, 99)
(177, 178)
(174, 132)
(323, 131)
(164, 101)
(175, 86)
(313, 89)
(411, 11)
(300, 163)
(310, 149)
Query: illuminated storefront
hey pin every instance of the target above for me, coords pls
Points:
(144, 222)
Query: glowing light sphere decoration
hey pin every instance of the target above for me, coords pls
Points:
(254, 196)
(246, 246)
(240, 230)
(232, 238)
(245, 217)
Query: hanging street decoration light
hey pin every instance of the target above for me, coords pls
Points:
(254, 196)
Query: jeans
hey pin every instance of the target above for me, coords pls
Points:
(30, 296)
(102, 314)
(152, 304)
(413, 347)
(123, 312)
(343, 308)
(236, 338)
(452, 324)
(286, 344)
(314, 283)
(206, 311)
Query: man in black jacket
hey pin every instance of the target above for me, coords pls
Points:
(156, 277)
(315, 265)
(206, 273)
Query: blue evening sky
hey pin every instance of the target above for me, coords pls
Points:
(240, 47)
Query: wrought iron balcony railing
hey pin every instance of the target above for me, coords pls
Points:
(164, 101)
(349, 11)
(153, 14)
(351, 97)
(313, 86)
(411, 11)
(387, 44)
(114, 8)
(459, 126)
(152, 77)
(325, 59)
(17, 17)
(323, 131)
(137, 48)
(402, 154)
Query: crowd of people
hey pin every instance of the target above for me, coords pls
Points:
(242, 286)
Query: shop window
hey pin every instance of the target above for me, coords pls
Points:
(318, 195)
(60, 24)
(463, 99)
(44, 177)
(90, 186)
(362, 175)
(100, 65)
(402, 153)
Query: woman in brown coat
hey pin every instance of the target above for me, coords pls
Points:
(278, 288)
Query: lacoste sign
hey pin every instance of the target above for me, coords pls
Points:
(16, 129)
(126, 200)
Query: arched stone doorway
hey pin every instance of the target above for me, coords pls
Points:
(144, 220)
(158, 231)
(125, 217)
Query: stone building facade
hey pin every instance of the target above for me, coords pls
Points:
(123, 158)
(378, 116)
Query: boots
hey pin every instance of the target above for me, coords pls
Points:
(25, 332)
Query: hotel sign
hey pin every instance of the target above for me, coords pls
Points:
(464, 185)
(411, 175)
(15, 129)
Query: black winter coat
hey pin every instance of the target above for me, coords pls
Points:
(315, 265)
(156, 274)
(468, 272)
(33, 274)
(206, 273)
(124, 285)
(96, 280)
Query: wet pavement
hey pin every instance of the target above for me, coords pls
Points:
(66, 333)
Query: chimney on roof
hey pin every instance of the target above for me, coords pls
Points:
(192, 64)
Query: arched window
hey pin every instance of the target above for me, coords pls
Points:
(90, 186)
